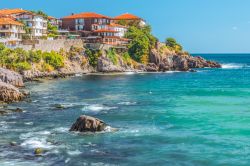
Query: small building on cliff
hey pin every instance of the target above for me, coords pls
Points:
(129, 19)
(96, 28)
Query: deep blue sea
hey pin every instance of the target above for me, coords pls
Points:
(174, 118)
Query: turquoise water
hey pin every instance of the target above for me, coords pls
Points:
(163, 119)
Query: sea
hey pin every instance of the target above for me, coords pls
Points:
(175, 118)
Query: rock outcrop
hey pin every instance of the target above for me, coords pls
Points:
(9, 93)
(88, 124)
(104, 64)
(166, 60)
(11, 77)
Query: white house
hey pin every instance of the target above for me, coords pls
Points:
(37, 23)
(10, 31)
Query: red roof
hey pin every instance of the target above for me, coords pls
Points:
(127, 16)
(117, 25)
(105, 30)
(85, 15)
(12, 11)
(9, 21)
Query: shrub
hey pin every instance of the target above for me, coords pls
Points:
(93, 56)
(46, 67)
(35, 56)
(172, 44)
(54, 59)
(21, 66)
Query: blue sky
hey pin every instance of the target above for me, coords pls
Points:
(201, 26)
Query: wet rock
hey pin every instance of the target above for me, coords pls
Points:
(11, 77)
(58, 106)
(17, 110)
(9, 93)
(38, 151)
(13, 143)
(88, 124)
(3, 112)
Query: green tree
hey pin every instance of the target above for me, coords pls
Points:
(52, 30)
(141, 42)
(172, 44)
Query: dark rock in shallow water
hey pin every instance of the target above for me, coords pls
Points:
(38, 151)
(2, 112)
(13, 143)
(88, 124)
(59, 106)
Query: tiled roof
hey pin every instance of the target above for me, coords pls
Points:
(85, 15)
(9, 21)
(12, 11)
(105, 30)
(51, 18)
(117, 25)
(127, 16)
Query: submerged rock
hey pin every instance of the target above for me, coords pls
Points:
(59, 106)
(88, 124)
(9, 93)
(38, 151)
(13, 143)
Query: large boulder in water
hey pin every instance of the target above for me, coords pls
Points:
(9, 93)
(88, 124)
(11, 77)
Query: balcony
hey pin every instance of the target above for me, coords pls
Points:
(11, 30)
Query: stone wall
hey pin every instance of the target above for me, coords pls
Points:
(55, 45)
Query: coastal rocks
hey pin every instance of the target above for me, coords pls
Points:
(11, 77)
(166, 60)
(199, 62)
(89, 124)
(151, 67)
(9, 93)
(104, 64)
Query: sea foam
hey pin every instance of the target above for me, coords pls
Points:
(233, 66)
(97, 108)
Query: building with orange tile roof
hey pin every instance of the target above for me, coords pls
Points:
(95, 27)
(129, 19)
(36, 23)
(10, 31)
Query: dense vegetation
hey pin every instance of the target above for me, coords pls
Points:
(19, 59)
(142, 42)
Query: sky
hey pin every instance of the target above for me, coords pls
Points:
(201, 26)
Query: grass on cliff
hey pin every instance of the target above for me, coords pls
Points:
(111, 54)
(21, 60)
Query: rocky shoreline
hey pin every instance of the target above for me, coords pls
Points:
(160, 60)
